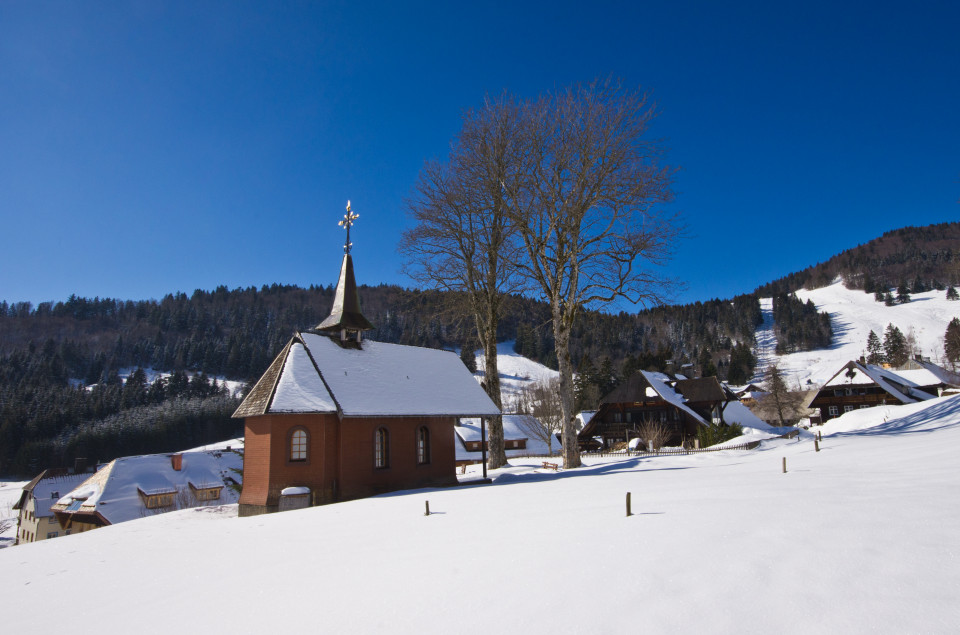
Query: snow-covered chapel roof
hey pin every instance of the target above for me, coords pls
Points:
(318, 374)
(325, 371)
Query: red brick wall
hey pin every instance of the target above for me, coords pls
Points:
(267, 470)
(359, 476)
(256, 460)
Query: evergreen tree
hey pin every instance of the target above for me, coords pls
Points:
(951, 342)
(468, 357)
(707, 367)
(888, 299)
(874, 349)
(878, 295)
(605, 380)
(952, 293)
(903, 293)
(895, 346)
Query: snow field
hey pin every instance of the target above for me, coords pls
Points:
(853, 314)
(858, 537)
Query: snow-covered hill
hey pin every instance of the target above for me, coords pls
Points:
(853, 314)
(516, 372)
(854, 538)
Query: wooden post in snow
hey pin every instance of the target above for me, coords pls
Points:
(784, 465)
(427, 513)
(629, 513)
(816, 445)
(483, 445)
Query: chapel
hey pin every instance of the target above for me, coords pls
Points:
(337, 416)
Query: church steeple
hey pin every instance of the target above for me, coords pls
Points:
(345, 316)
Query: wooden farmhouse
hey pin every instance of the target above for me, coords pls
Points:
(681, 405)
(523, 435)
(861, 385)
(35, 520)
(132, 487)
(336, 417)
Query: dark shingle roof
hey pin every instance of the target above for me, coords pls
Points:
(257, 402)
(345, 313)
(631, 390)
(702, 390)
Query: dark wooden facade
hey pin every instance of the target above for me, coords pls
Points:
(625, 410)
(859, 385)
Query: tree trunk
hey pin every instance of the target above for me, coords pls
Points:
(496, 456)
(561, 334)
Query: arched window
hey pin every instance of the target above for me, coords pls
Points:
(381, 448)
(298, 445)
(423, 445)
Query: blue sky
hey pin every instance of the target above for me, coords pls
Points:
(152, 147)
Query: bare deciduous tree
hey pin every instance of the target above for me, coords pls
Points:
(461, 239)
(785, 403)
(655, 434)
(541, 400)
(589, 211)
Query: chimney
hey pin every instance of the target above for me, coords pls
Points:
(918, 357)
(79, 465)
(176, 460)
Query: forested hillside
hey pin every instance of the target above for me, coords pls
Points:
(52, 354)
(61, 396)
(921, 257)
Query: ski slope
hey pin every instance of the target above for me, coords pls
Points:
(516, 372)
(853, 314)
(855, 538)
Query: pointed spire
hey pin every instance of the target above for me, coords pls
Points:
(345, 316)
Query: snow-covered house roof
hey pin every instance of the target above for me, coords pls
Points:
(115, 492)
(669, 395)
(46, 488)
(583, 418)
(515, 428)
(944, 376)
(318, 374)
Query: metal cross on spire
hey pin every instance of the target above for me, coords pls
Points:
(347, 222)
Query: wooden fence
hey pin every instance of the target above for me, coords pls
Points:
(752, 445)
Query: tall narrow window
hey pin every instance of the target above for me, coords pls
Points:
(381, 448)
(423, 446)
(298, 445)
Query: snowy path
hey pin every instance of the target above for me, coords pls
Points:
(765, 350)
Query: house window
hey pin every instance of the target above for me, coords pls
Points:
(848, 408)
(834, 411)
(616, 417)
(52, 534)
(862, 406)
(298, 445)
(838, 392)
(381, 448)
(423, 445)
(663, 415)
(205, 493)
(156, 501)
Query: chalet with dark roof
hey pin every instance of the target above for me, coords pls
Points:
(681, 405)
(860, 385)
